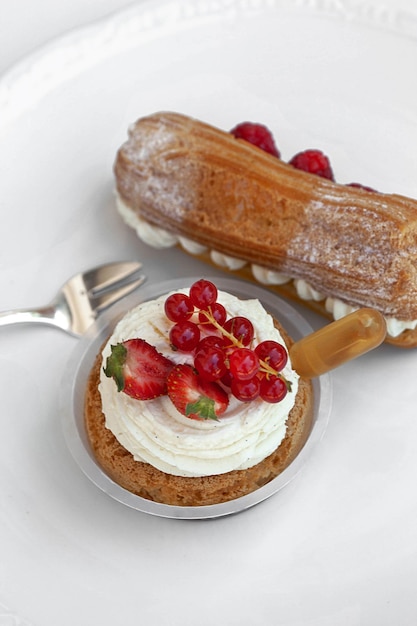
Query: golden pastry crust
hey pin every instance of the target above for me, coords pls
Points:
(148, 482)
(201, 183)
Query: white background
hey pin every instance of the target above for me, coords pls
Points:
(338, 547)
(26, 24)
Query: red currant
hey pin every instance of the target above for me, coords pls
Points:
(241, 328)
(215, 311)
(210, 363)
(272, 389)
(178, 307)
(227, 379)
(184, 336)
(272, 353)
(246, 390)
(211, 341)
(243, 363)
(203, 293)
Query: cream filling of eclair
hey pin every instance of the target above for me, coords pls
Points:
(160, 238)
(155, 432)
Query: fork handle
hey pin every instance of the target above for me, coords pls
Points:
(42, 315)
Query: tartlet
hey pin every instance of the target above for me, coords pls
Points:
(146, 480)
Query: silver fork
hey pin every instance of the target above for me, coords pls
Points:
(82, 298)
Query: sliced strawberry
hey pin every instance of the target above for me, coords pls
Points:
(138, 369)
(194, 397)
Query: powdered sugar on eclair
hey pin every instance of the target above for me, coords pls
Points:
(155, 432)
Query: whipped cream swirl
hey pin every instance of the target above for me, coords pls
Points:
(155, 432)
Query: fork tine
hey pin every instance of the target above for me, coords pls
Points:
(110, 275)
(104, 300)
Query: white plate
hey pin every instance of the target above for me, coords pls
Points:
(338, 545)
(74, 385)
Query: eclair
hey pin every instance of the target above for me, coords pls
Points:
(333, 247)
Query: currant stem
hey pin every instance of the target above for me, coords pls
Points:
(211, 319)
(264, 366)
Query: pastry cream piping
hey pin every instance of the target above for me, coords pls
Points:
(155, 432)
(269, 277)
(223, 260)
(192, 246)
(158, 237)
